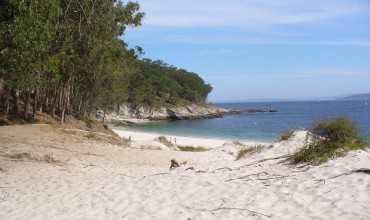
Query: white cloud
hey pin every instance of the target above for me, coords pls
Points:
(245, 13)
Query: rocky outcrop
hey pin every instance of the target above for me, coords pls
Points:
(127, 114)
(193, 111)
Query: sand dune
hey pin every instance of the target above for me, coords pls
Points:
(95, 180)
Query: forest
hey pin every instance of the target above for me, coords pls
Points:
(69, 57)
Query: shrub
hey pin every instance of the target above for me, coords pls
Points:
(331, 138)
(88, 121)
(49, 158)
(165, 141)
(90, 136)
(337, 130)
(287, 135)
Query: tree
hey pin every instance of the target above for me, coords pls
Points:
(68, 57)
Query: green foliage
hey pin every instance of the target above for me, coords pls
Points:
(88, 122)
(156, 84)
(332, 138)
(340, 130)
(68, 57)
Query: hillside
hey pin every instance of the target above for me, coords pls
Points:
(364, 96)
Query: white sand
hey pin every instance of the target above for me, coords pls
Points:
(140, 138)
(101, 181)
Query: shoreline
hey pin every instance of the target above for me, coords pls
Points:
(150, 137)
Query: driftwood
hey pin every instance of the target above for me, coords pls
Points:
(246, 176)
(363, 170)
(222, 208)
(156, 174)
(251, 164)
(261, 161)
(222, 168)
(271, 177)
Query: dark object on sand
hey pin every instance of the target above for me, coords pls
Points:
(174, 164)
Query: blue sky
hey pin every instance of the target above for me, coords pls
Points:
(262, 49)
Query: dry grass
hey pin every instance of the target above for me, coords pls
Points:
(90, 136)
(95, 136)
(237, 143)
(249, 151)
(165, 141)
(48, 158)
(20, 156)
(192, 149)
(4, 121)
(287, 135)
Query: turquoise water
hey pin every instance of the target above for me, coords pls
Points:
(265, 126)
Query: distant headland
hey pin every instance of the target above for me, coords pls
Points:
(363, 96)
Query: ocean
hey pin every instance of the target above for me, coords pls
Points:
(265, 127)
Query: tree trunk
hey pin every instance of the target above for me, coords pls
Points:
(35, 103)
(104, 116)
(15, 102)
(54, 103)
(63, 115)
(27, 106)
(45, 104)
(7, 108)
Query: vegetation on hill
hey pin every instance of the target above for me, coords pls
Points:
(68, 57)
(157, 84)
(331, 138)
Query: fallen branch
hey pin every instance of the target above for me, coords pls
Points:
(159, 174)
(90, 165)
(229, 208)
(362, 170)
(250, 164)
(156, 174)
(121, 174)
(365, 171)
(273, 178)
(263, 160)
(200, 171)
(246, 176)
(222, 168)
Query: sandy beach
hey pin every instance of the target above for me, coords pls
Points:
(48, 173)
(139, 138)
